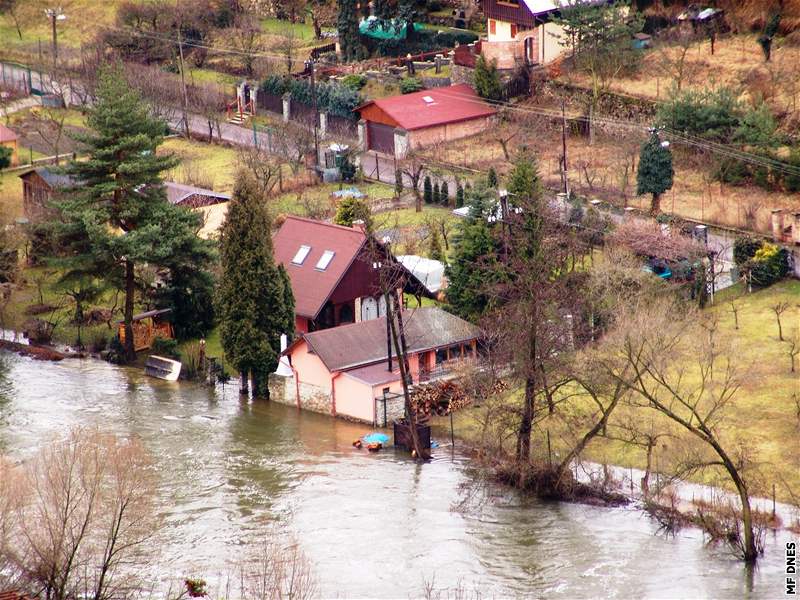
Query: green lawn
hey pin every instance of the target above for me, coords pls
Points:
(199, 76)
(763, 415)
(303, 31)
(205, 165)
(10, 196)
(319, 197)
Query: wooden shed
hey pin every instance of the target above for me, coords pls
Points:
(147, 326)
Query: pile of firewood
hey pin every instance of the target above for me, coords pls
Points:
(443, 397)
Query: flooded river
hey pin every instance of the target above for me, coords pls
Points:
(372, 525)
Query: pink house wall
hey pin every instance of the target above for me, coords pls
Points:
(354, 398)
(309, 367)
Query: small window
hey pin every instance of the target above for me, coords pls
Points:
(301, 255)
(492, 27)
(441, 355)
(513, 30)
(325, 260)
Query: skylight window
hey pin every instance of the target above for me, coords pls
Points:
(427, 99)
(301, 255)
(325, 260)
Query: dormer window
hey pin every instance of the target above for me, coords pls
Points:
(325, 260)
(301, 255)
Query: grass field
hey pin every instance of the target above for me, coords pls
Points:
(204, 165)
(763, 413)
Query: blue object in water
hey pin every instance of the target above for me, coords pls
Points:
(434, 444)
(375, 438)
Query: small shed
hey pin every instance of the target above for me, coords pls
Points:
(399, 124)
(9, 139)
(147, 326)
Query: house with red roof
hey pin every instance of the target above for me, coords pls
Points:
(399, 124)
(334, 273)
(9, 139)
(347, 371)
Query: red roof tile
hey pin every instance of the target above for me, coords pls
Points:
(6, 134)
(311, 286)
(449, 105)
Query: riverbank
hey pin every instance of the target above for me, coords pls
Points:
(763, 414)
(372, 525)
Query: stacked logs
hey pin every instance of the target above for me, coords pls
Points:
(444, 397)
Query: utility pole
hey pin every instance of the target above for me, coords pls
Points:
(310, 65)
(183, 79)
(54, 14)
(565, 179)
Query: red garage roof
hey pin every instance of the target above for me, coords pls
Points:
(429, 108)
(312, 286)
(6, 134)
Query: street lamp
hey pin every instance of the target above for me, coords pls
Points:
(55, 14)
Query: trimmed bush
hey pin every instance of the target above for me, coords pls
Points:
(409, 85)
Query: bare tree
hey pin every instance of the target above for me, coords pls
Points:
(246, 38)
(659, 355)
(278, 571)
(86, 506)
(413, 168)
(779, 309)
(794, 347)
(265, 166)
(735, 308)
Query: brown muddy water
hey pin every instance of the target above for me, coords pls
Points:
(372, 525)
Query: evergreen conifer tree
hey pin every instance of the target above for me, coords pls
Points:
(437, 197)
(473, 257)
(398, 183)
(444, 194)
(427, 190)
(254, 299)
(487, 79)
(435, 250)
(352, 209)
(655, 171)
(459, 196)
(347, 26)
(491, 178)
(117, 217)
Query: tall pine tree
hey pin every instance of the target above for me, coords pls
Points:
(347, 25)
(254, 300)
(117, 216)
(473, 259)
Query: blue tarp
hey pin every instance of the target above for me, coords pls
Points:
(375, 438)
(351, 192)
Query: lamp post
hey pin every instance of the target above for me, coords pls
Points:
(55, 14)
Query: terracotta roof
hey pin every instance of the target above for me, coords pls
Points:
(438, 106)
(311, 286)
(6, 134)
(358, 344)
(13, 595)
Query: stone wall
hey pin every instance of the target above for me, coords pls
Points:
(459, 74)
(618, 106)
(395, 409)
(284, 390)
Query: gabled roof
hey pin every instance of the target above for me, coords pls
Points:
(539, 7)
(429, 108)
(51, 178)
(177, 192)
(7, 135)
(359, 344)
(311, 286)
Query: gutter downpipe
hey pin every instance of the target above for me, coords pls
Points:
(297, 387)
(334, 377)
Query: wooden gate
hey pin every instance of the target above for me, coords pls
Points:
(380, 137)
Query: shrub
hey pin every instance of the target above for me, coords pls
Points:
(713, 114)
(348, 170)
(166, 347)
(352, 209)
(444, 194)
(398, 183)
(437, 195)
(766, 262)
(427, 190)
(487, 79)
(409, 85)
(459, 196)
(355, 81)
(792, 180)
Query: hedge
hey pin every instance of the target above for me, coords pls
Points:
(332, 98)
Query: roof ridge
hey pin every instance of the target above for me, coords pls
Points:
(325, 223)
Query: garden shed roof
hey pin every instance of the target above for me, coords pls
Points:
(429, 108)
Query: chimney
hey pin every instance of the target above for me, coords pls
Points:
(777, 224)
(360, 225)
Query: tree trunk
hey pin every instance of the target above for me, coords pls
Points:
(749, 548)
(130, 288)
(526, 423)
(243, 386)
(655, 205)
